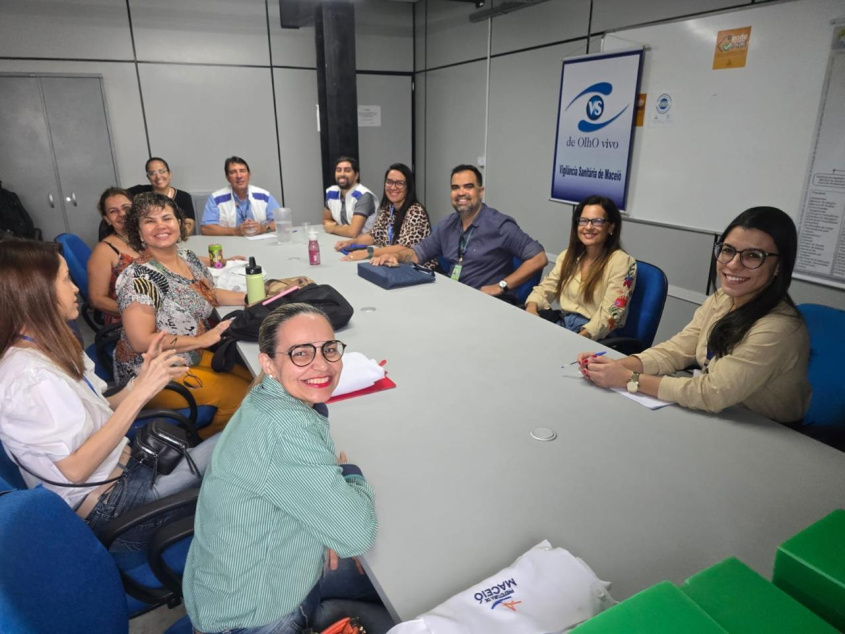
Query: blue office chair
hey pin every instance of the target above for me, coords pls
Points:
(825, 420)
(644, 311)
(9, 471)
(521, 292)
(76, 253)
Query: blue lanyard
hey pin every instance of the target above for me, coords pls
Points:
(242, 212)
(85, 378)
(464, 243)
(390, 226)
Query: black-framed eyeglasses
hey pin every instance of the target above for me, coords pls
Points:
(304, 353)
(749, 258)
(396, 184)
(596, 222)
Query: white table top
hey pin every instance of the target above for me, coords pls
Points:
(462, 489)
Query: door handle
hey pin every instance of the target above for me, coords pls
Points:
(51, 201)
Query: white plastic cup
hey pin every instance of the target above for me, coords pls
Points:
(284, 225)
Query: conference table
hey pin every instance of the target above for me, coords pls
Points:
(462, 488)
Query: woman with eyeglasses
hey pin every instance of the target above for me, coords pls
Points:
(278, 507)
(593, 278)
(54, 420)
(748, 338)
(111, 255)
(167, 289)
(401, 219)
(159, 174)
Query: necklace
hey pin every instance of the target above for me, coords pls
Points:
(122, 239)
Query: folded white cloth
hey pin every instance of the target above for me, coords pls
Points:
(358, 373)
(231, 277)
(546, 591)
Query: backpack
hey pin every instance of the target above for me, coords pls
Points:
(14, 219)
(247, 322)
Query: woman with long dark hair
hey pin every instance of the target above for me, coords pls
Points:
(54, 419)
(593, 278)
(401, 219)
(748, 338)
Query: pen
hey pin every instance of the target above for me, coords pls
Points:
(352, 247)
(597, 354)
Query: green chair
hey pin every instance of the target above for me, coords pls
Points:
(810, 567)
(741, 601)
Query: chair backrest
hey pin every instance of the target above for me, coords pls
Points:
(826, 326)
(56, 576)
(646, 306)
(76, 252)
(9, 471)
(521, 292)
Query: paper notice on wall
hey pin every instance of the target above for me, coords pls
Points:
(663, 109)
(369, 116)
(821, 233)
(731, 48)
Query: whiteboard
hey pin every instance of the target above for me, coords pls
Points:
(739, 137)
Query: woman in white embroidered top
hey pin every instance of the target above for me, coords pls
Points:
(54, 419)
(748, 337)
(593, 278)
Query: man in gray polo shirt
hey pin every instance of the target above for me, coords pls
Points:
(479, 242)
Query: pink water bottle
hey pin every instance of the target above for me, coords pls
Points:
(313, 248)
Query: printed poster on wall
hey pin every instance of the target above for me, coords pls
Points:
(731, 48)
(595, 126)
(821, 231)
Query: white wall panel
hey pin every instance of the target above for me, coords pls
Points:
(615, 14)
(390, 142)
(291, 47)
(420, 117)
(450, 36)
(455, 131)
(198, 116)
(384, 35)
(207, 31)
(551, 21)
(123, 105)
(524, 92)
(296, 102)
(419, 34)
(91, 29)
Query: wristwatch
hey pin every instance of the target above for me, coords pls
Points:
(370, 252)
(503, 285)
(633, 384)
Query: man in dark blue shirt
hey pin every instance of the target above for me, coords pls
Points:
(479, 242)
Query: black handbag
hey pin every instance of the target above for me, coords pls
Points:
(161, 446)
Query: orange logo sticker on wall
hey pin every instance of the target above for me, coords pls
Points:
(639, 115)
(731, 48)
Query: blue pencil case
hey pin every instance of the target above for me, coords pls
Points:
(395, 276)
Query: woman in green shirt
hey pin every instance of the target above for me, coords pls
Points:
(279, 506)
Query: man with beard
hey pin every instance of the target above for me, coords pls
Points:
(478, 241)
(350, 207)
(239, 209)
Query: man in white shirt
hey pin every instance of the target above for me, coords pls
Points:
(239, 209)
(351, 208)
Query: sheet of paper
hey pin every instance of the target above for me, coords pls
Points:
(262, 236)
(646, 401)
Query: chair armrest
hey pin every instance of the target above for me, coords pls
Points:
(625, 345)
(146, 512)
(163, 539)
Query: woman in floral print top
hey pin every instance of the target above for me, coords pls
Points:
(402, 221)
(593, 278)
(167, 289)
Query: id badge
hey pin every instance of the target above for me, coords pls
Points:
(456, 272)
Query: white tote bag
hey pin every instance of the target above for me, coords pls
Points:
(546, 591)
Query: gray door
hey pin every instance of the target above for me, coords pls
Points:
(79, 129)
(26, 159)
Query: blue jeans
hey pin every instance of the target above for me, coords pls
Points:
(338, 594)
(134, 490)
(572, 321)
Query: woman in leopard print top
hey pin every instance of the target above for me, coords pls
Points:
(401, 221)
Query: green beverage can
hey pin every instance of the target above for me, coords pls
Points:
(215, 255)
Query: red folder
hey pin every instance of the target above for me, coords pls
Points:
(378, 386)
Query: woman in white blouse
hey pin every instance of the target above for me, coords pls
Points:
(54, 421)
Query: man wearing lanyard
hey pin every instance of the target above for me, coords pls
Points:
(478, 242)
(239, 209)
